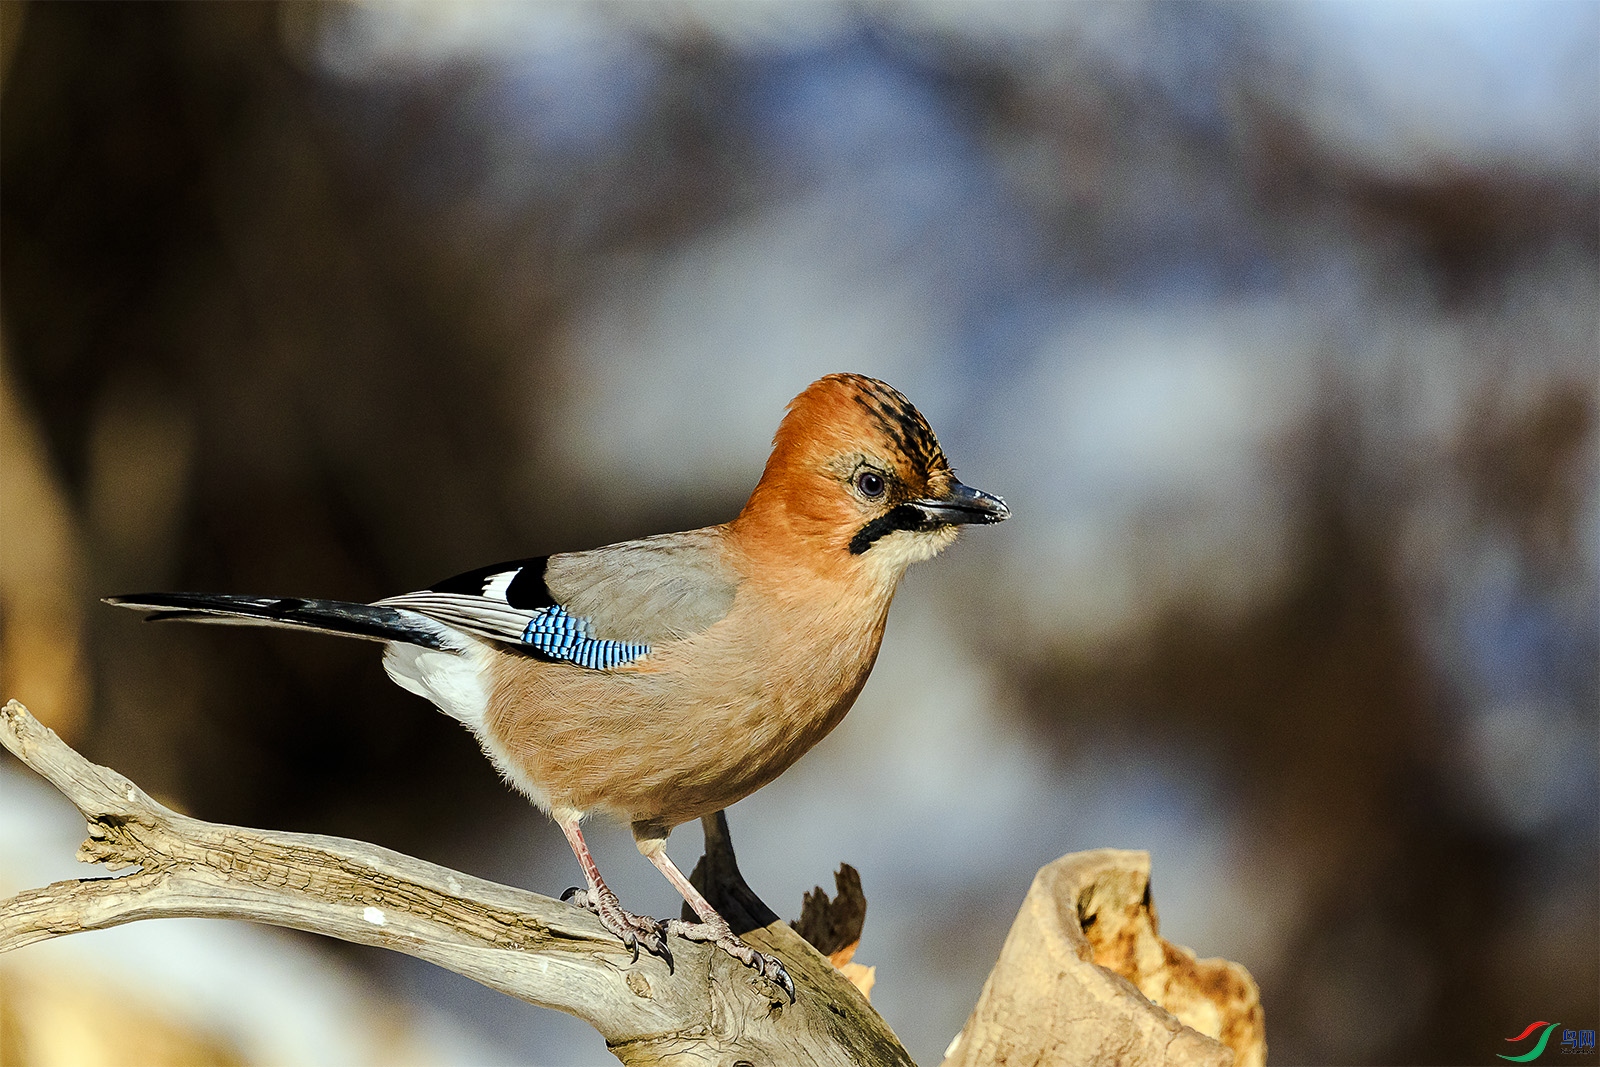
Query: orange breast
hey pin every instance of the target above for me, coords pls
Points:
(699, 723)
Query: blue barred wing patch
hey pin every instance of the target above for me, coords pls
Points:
(554, 633)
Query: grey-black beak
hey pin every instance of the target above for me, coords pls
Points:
(964, 504)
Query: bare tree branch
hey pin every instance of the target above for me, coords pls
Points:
(529, 946)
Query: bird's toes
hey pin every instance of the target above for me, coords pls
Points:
(634, 931)
(719, 934)
(641, 931)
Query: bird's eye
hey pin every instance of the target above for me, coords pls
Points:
(870, 483)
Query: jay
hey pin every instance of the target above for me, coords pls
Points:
(660, 680)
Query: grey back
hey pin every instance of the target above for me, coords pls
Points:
(654, 590)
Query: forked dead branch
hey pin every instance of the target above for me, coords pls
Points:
(1048, 1001)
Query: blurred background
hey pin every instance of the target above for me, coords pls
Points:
(1275, 324)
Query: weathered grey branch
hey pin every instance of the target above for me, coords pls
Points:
(710, 1010)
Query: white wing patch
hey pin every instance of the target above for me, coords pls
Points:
(495, 588)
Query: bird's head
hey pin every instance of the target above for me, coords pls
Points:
(857, 482)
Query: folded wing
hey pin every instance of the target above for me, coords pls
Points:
(602, 608)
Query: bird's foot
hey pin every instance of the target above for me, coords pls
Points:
(720, 934)
(634, 930)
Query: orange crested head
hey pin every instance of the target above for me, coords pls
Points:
(857, 477)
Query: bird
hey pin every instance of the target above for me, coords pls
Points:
(660, 680)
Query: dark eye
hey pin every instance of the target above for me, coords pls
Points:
(870, 483)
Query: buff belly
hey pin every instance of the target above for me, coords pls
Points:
(654, 743)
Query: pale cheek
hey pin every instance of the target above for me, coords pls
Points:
(894, 552)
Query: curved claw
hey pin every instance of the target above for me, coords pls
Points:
(570, 893)
(666, 951)
(781, 976)
(770, 968)
(655, 944)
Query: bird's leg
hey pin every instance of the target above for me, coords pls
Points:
(634, 930)
(712, 927)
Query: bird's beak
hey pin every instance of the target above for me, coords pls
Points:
(964, 504)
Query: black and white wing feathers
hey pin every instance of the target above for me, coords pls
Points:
(599, 609)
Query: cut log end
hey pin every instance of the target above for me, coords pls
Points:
(1085, 978)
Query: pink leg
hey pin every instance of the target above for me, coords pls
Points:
(632, 929)
(712, 927)
(701, 906)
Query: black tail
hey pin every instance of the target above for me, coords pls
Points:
(328, 616)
